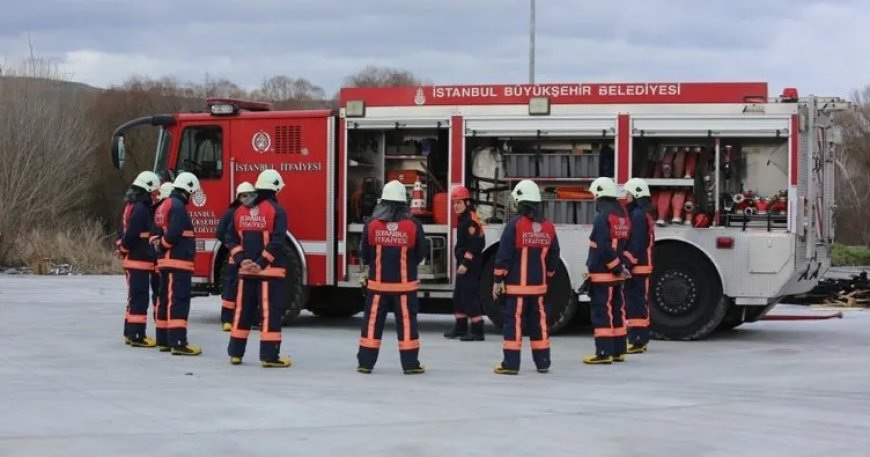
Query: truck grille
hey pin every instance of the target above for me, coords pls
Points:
(288, 139)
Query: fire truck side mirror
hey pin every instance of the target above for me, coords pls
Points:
(118, 152)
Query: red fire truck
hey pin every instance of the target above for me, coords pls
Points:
(742, 182)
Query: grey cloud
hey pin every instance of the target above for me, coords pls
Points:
(795, 42)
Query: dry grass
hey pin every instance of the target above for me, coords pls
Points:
(83, 245)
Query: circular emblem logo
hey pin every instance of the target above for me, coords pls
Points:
(255, 211)
(419, 97)
(393, 226)
(536, 227)
(198, 198)
(261, 141)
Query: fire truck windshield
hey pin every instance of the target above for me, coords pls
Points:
(161, 155)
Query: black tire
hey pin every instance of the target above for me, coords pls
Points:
(685, 294)
(755, 313)
(561, 301)
(294, 286)
(336, 303)
(734, 317)
(739, 315)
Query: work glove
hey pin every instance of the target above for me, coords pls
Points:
(497, 289)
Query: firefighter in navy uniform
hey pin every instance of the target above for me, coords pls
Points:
(245, 192)
(470, 242)
(164, 193)
(176, 247)
(610, 232)
(256, 240)
(392, 245)
(639, 255)
(138, 256)
(526, 260)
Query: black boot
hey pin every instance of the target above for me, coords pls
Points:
(460, 328)
(476, 332)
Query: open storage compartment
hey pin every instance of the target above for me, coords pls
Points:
(561, 155)
(414, 153)
(739, 174)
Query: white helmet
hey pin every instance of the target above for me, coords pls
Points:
(604, 187)
(270, 180)
(244, 188)
(637, 187)
(165, 191)
(147, 180)
(187, 182)
(526, 191)
(394, 191)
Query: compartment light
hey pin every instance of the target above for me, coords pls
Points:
(539, 106)
(355, 108)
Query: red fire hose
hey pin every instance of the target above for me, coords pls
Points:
(801, 317)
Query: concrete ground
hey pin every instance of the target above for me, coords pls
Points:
(70, 388)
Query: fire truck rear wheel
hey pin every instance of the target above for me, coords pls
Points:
(294, 287)
(734, 317)
(335, 302)
(561, 301)
(685, 294)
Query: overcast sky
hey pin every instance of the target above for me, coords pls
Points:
(821, 47)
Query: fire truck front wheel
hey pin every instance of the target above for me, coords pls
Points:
(561, 300)
(294, 286)
(685, 294)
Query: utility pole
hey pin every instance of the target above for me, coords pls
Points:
(532, 42)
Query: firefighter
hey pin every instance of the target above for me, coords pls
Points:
(138, 256)
(245, 193)
(392, 245)
(639, 255)
(610, 232)
(470, 242)
(525, 262)
(256, 240)
(175, 244)
(163, 194)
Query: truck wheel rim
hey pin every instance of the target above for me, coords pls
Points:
(676, 292)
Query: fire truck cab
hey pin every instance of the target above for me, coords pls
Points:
(742, 183)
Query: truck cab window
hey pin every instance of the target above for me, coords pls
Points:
(202, 151)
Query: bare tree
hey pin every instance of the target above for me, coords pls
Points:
(284, 88)
(44, 146)
(374, 76)
(224, 88)
(853, 172)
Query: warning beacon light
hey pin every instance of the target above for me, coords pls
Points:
(228, 106)
(222, 109)
(790, 95)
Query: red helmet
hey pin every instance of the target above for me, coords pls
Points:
(460, 193)
(702, 221)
